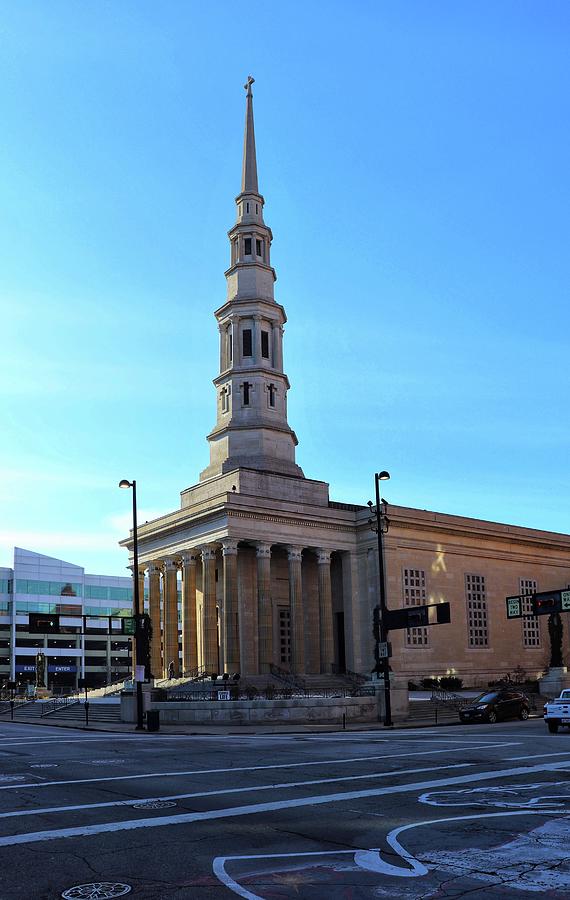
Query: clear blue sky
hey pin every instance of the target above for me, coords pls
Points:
(414, 161)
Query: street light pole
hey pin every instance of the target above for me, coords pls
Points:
(139, 661)
(381, 527)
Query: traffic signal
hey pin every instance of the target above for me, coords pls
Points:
(546, 603)
(376, 624)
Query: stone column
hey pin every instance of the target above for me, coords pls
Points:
(294, 555)
(189, 634)
(230, 631)
(325, 611)
(234, 331)
(170, 619)
(209, 622)
(265, 608)
(278, 361)
(221, 331)
(154, 611)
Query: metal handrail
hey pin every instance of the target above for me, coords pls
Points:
(287, 677)
(18, 704)
(440, 695)
(51, 706)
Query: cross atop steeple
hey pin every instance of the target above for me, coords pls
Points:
(249, 170)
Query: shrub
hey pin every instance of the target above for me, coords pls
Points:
(428, 683)
(250, 692)
(519, 675)
(412, 686)
(270, 692)
(451, 682)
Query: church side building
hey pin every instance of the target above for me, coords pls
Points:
(275, 574)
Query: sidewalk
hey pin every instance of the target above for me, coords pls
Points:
(245, 730)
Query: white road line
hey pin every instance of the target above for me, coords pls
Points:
(300, 764)
(242, 790)
(111, 736)
(536, 756)
(274, 806)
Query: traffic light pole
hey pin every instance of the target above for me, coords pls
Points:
(382, 604)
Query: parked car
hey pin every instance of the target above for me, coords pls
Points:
(557, 712)
(494, 705)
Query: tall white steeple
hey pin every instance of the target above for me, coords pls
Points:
(251, 428)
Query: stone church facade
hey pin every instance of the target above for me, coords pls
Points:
(258, 568)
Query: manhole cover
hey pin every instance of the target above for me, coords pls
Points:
(44, 766)
(99, 890)
(153, 804)
(12, 777)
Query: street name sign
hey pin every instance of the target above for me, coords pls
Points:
(417, 616)
(129, 625)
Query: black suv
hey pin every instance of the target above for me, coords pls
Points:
(494, 705)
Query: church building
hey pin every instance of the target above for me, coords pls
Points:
(276, 576)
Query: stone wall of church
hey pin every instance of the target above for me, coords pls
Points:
(474, 566)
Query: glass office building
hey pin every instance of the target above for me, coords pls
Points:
(88, 610)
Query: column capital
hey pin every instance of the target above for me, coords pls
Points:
(294, 552)
(170, 564)
(229, 547)
(208, 553)
(323, 556)
(189, 557)
(154, 568)
(263, 550)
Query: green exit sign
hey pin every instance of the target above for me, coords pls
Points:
(129, 626)
(565, 601)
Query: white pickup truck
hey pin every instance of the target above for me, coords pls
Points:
(557, 712)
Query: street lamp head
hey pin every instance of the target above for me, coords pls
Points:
(383, 475)
(125, 484)
(370, 504)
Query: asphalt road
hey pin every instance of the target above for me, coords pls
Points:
(478, 811)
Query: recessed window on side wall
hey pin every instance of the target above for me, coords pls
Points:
(247, 343)
(265, 344)
(415, 594)
(271, 395)
(531, 626)
(247, 246)
(258, 248)
(285, 636)
(246, 393)
(477, 617)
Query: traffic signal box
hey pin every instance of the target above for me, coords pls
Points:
(548, 602)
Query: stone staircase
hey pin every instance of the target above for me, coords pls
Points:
(98, 712)
(329, 684)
